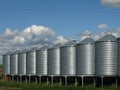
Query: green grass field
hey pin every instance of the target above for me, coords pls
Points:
(34, 86)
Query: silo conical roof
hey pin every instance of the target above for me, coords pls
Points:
(10, 52)
(108, 37)
(16, 52)
(70, 43)
(56, 46)
(24, 51)
(44, 47)
(33, 49)
(86, 41)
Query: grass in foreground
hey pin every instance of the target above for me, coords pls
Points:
(34, 86)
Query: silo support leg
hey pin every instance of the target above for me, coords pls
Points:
(60, 80)
(116, 82)
(82, 81)
(36, 79)
(47, 81)
(76, 81)
(102, 81)
(94, 82)
(40, 79)
(65, 80)
(26, 79)
(52, 79)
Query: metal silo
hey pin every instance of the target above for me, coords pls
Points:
(31, 61)
(68, 59)
(118, 57)
(41, 61)
(14, 63)
(6, 63)
(85, 57)
(54, 60)
(22, 62)
(106, 56)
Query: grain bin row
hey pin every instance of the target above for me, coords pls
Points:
(87, 57)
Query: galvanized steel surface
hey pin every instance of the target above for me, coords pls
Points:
(31, 61)
(22, 62)
(54, 60)
(85, 57)
(14, 63)
(6, 63)
(41, 60)
(118, 56)
(106, 56)
(68, 59)
(107, 38)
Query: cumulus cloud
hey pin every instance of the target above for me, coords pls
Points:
(37, 34)
(19, 40)
(85, 34)
(103, 26)
(61, 39)
(27, 38)
(111, 3)
(30, 36)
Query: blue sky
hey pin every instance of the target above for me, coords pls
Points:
(65, 17)
(28, 23)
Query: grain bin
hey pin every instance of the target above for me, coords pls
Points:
(31, 61)
(14, 62)
(54, 60)
(68, 59)
(22, 62)
(85, 57)
(118, 57)
(41, 60)
(6, 63)
(106, 56)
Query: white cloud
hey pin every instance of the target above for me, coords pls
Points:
(103, 26)
(38, 34)
(61, 39)
(19, 40)
(85, 34)
(27, 38)
(111, 3)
